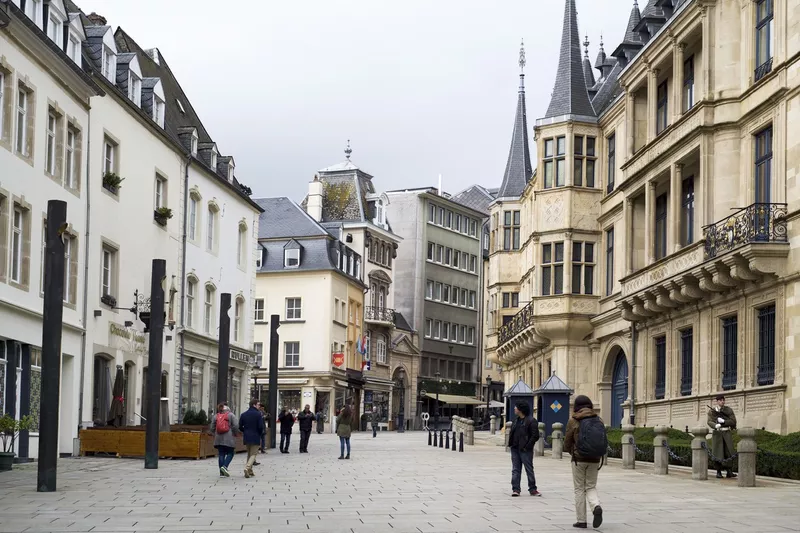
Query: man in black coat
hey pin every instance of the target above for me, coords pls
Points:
(251, 424)
(524, 434)
(287, 421)
(305, 419)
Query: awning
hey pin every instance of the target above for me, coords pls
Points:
(493, 405)
(455, 399)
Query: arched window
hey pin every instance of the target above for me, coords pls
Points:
(382, 297)
(367, 343)
(374, 290)
(238, 330)
(208, 310)
(191, 294)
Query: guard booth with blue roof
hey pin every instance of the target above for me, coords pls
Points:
(519, 392)
(552, 403)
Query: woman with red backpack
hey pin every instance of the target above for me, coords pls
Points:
(223, 427)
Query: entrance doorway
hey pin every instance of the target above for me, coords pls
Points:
(619, 389)
(101, 401)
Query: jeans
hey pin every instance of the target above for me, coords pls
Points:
(305, 434)
(285, 438)
(374, 431)
(225, 456)
(263, 442)
(584, 480)
(342, 442)
(518, 460)
(252, 452)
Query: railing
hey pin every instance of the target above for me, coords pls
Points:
(522, 320)
(379, 314)
(762, 70)
(755, 223)
(766, 374)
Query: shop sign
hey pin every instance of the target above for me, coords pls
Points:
(338, 359)
(128, 340)
(236, 355)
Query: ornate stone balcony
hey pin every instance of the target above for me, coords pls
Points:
(747, 247)
(379, 315)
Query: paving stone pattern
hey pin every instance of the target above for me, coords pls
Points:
(394, 483)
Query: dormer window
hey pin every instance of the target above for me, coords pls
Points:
(214, 158)
(54, 30)
(291, 258)
(74, 49)
(109, 63)
(230, 171)
(158, 110)
(135, 88)
(34, 11)
(194, 143)
(380, 213)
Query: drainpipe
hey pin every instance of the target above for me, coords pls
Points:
(85, 311)
(633, 374)
(182, 329)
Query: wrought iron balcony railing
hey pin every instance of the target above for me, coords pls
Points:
(755, 223)
(522, 320)
(763, 69)
(379, 314)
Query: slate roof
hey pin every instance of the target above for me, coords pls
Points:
(520, 388)
(283, 218)
(570, 96)
(554, 384)
(518, 166)
(400, 322)
(475, 197)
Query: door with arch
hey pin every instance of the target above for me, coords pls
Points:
(619, 389)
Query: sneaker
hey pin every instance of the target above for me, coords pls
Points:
(598, 516)
(252, 474)
(347, 456)
(515, 493)
(221, 473)
(246, 473)
(225, 472)
(579, 525)
(256, 463)
(535, 493)
(730, 475)
(719, 474)
(341, 457)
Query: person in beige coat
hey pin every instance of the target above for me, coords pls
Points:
(587, 450)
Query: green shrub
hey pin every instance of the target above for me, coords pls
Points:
(202, 418)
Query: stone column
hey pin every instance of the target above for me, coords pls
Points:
(628, 450)
(558, 443)
(630, 122)
(652, 96)
(567, 288)
(649, 213)
(627, 249)
(660, 452)
(747, 457)
(677, 77)
(470, 433)
(708, 50)
(538, 448)
(492, 429)
(674, 218)
(699, 454)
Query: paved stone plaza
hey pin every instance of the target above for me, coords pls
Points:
(394, 483)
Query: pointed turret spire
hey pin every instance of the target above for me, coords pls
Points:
(518, 168)
(348, 150)
(570, 96)
(587, 65)
(601, 56)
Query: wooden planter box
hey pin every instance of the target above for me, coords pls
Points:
(181, 442)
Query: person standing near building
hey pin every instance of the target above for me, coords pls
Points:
(287, 421)
(722, 421)
(376, 417)
(222, 427)
(265, 417)
(586, 440)
(251, 424)
(524, 434)
(305, 419)
(320, 421)
(343, 430)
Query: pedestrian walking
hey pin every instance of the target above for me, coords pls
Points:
(375, 419)
(524, 434)
(722, 421)
(587, 442)
(343, 429)
(320, 421)
(305, 419)
(265, 417)
(251, 424)
(287, 421)
(223, 427)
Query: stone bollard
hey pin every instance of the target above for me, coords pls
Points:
(447, 440)
(628, 449)
(538, 448)
(747, 449)
(558, 442)
(699, 454)
(441, 439)
(470, 432)
(492, 429)
(660, 452)
(435, 442)
(460, 442)
(455, 436)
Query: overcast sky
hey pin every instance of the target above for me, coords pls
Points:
(420, 87)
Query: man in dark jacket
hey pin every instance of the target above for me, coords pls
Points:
(251, 424)
(287, 421)
(524, 434)
(306, 420)
(722, 421)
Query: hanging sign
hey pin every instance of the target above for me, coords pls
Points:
(338, 359)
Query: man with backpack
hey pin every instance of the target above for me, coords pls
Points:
(524, 434)
(587, 442)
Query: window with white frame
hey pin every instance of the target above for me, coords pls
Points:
(437, 329)
(158, 110)
(211, 229)
(54, 30)
(70, 265)
(381, 349)
(191, 288)
(44, 252)
(161, 191)
(258, 347)
(429, 289)
(34, 11)
(194, 143)
(428, 327)
(258, 315)
(71, 161)
(291, 258)
(237, 320)
(294, 309)
(208, 310)
(109, 156)
(73, 49)
(22, 122)
(109, 60)
(50, 149)
(109, 267)
(291, 352)
(471, 335)
(241, 249)
(2, 104)
(214, 155)
(18, 231)
(135, 88)
(193, 201)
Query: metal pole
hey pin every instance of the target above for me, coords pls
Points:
(438, 386)
(223, 358)
(157, 279)
(401, 415)
(274, 324)
(633, 374)
(52, 314)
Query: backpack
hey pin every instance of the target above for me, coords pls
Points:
(223, 423)
(592, 439)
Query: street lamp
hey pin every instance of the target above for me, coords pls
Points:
(255, 382)
(401, 413)
(488, 384)
(436, 413)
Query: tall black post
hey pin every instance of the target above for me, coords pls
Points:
(274, 324)
(224, 356)
(12, 348)
(25, 401)
(158, 277)
(52, 314)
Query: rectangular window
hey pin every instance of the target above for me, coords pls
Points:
(687, 349)
(431, 251)
(448, 256)
(764, 38)
(2, 104)
(110, 156)
(446, 293)
(582, 268)
(473, 264)
(211, 230)
(553, 269)
(440, 217)
(660, 241)
(730, 342)
(456, 258)
(763, 170)
(449, 221)
(472, 297)
(208, 307)
(547, 269)
(661, 108)
(429, 290)
(462, 334)
(458, 222)
(50, 151)
(135, 89)
(506, 300)
(428, 327)
(446, 330)
(291, 352)
(661, 366)
(688, 84)
(511, 230)
(584, 159)
(470, 335)
(190, 295)
(610, 262)
(463, 300)
(431, 213)
(70, 263)
(237, 320)
(439, 253)
(766, 345)
(22, 122)
(17, 237)
(437, 291)
(437, 329)
(611, 162)
(109, 272)
(161, 192)
(70, 170)
(554, 160)
(258, 347)
(294, 309)
(473, 228)
(258, 314)
(687, 211)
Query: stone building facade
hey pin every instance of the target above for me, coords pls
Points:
(658, 249)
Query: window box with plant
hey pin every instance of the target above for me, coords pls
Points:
(112, 182)
(162, 214)
(9, 431)
(109, 300)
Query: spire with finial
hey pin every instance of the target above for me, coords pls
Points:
(518, 168)
(587, 65)
(522, 63)
(586, 47)
(348, 150)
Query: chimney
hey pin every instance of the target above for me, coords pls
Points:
(97, 20)
(314, 205)
(153, 53)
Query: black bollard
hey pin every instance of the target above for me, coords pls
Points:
(441, 439)
(224, 350)
(430, 437)
(434, 439)
(447, 442)
(152, 427)
(274, 347)
(461, 442)
(454, 441)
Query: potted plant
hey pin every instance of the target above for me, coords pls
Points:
(109, 300)
(9, 430)
(112, 182)
(162, 214)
